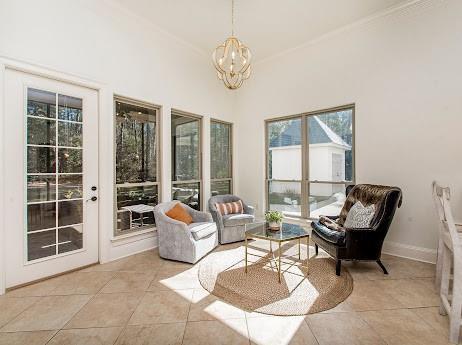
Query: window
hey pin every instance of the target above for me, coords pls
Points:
(186, 158)
(137, 165)
(310, 162)
(221, 167)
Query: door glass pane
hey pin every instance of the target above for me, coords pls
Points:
(135, 206)
(69, 187)
(41, 103)
(330, 137)
(285, 197)
(326, 199)
(185, 148)
(69, 134)
(187, 193)
(41, 244)
(70, 160)
(70, 238)
(43, 209)
(41, 188)
(41, 159)
(41, 131)
(220, 150)
(41, 216)
(285, 150)
(220, 187)
(69, 108)
(70, 212)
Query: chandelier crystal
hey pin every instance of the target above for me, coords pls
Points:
(232, 59)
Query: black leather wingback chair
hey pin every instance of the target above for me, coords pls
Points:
(360, 244)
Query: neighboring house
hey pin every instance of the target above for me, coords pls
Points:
(327, 160)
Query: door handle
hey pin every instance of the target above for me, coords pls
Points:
(93, 198)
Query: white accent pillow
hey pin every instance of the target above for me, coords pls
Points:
(359, 217)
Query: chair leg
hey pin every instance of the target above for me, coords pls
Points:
(338, 267)
(445, 278)
(316, 249)
(382, 267)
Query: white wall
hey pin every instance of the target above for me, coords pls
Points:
(404, 73)
(128, 56)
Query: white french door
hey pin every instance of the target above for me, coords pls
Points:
(51, 177)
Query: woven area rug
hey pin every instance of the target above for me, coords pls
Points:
(301, 291)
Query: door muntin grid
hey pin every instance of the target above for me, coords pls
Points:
(54, 181)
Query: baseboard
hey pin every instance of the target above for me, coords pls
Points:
(409, 252)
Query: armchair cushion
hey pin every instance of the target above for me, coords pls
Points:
(237, 219)
(230, 207)
(332, 236)
(359, 216)
(177, 212)
(202, 230)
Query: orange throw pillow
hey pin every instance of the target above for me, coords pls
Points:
(177, 212)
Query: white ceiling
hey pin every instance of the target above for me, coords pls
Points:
(267, 27)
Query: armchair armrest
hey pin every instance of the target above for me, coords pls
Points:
(199, 216)
(249, 210)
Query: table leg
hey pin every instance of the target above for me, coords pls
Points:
(271, 246)
(246, 255)
(299, 240)
(279, 262)
(307, 253)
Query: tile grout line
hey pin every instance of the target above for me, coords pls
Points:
(187, 317)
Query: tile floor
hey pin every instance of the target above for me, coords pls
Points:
(143, 299)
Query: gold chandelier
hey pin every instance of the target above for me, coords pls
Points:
(232, 59)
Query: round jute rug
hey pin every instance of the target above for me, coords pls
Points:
(302, 291)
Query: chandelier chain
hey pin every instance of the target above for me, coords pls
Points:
(232, 18)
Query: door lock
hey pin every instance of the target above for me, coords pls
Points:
(94, 188)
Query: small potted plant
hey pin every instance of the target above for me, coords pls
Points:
(274, 219)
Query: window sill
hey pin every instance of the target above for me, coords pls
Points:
(134, 236)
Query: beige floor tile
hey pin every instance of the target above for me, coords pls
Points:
(106, 310)
(26, 338)
(168, 278)
(12, 307)
(280, 330)
(49, 313)
(227, 332)
(129, 282)
(342, 329)
(148, 261)
(160, 334)
(162, 307)
(86, 336)
(368, 295)
(86, 283)
(206, 306)
(398, 268)
(432, 317)
(402, 326)
(43, 288)
(411, 293)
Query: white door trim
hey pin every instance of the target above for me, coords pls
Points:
(8, 63)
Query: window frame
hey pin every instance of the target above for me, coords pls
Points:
(200, 180)
(305, 178)
(231, 156)
(158, 183)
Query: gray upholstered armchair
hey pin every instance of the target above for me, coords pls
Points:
(231, 227)
(181, 242)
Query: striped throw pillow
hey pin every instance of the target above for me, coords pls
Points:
(230, 207)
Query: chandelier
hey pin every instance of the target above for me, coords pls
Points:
(232, 59)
